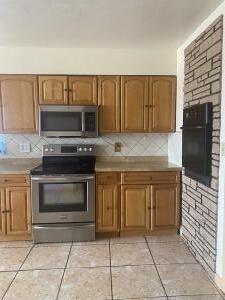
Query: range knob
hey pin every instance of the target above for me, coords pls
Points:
(90, 149)
(46, 149)
(52, 150)
(85, 149)
(79, 149)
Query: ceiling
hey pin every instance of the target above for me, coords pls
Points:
(100, 23)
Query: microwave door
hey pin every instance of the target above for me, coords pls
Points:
(61, 123)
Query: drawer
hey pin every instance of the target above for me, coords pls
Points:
(150, 177)
(108, 178)
(14, 180)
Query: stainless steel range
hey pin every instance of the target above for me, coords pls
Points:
(63, 194)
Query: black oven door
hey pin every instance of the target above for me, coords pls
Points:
(196, 153)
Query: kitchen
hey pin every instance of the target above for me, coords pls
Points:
(93, 194)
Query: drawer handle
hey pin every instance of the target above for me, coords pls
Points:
(108, 207)
(6, 211)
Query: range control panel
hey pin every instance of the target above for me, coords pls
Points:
(68, 150)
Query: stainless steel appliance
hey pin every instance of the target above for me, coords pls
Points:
(68, 121)
(197, 142)
(63, 194)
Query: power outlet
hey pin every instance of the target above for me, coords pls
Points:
(117, 147)
(25, 147)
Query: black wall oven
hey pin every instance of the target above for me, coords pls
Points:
(197, 142)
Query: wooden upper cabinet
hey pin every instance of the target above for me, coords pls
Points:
(53, 90)
(165, 206)
(82, 90)
(18, 207)
(135, 207)
(134, 97)
(2, 212)
(109, 101)
(162, 100)
(19, 100)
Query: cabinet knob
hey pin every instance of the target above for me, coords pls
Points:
(108, 207)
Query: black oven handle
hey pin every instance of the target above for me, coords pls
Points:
(192, 127)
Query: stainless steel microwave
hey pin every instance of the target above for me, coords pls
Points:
(68, 121)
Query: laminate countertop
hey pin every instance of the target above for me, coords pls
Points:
(18, 165)
(129, 164)
(103, 164)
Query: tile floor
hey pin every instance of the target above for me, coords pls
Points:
(152, 267)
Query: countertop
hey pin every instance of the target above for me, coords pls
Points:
(123, 164)
(18, 165)
(103, 164)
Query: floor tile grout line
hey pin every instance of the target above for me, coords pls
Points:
(64, 270)
(17, 272)
(156, 267)
(110, 269)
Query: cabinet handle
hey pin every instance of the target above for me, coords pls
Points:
(154, 207)
(108, 207)
(149, 207)
(6, 211)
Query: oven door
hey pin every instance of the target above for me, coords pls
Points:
(196, 150)
(63, 199)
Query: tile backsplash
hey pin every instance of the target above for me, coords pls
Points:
(136, 144)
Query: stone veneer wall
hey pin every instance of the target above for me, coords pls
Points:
(202, 84)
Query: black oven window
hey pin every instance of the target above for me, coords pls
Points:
(194, 150)
(63, 197)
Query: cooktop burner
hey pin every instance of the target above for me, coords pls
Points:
(66, 159)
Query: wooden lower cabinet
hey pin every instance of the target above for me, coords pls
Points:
(2, 209)
(139, 207)
(15, 210)
(107, 208)
(18, 218)
(165, 203)
(135, 207)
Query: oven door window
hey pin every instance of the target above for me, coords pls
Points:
(194, 150)
(61, 121)
(63, 197)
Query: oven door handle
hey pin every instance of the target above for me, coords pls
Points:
(63, 227)
(62, 179)
(192, 127)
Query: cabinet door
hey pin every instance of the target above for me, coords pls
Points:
(2, 212)
(109, 101)
(134, 97)
(18, 205)
(18, 108)
(107, 208)
(53, 90)
(165, 206)
(162, 98)
(83, 90)
(135, 207)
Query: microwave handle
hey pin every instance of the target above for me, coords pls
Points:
(83, 123)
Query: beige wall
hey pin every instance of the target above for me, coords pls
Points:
(87, 61)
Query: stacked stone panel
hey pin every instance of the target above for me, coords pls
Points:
(202, 83)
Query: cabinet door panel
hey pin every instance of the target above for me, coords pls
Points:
(53, 90)
(135, 207)
(107, 208)
(165, 206)
(162, 97)
(83, 90)
(109, 101)
(2, 214)
(18, 108)
(18, 205)
(134, 97)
